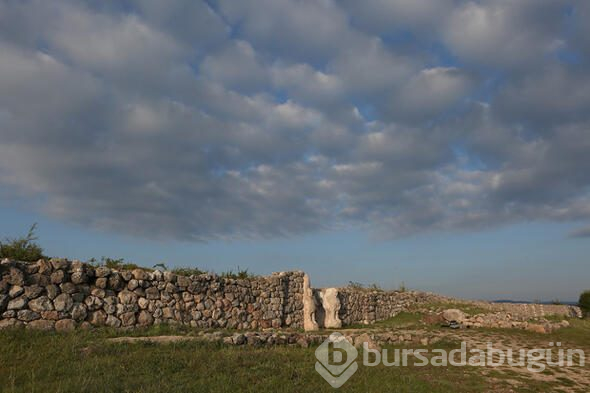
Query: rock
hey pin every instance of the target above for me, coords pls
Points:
(126, 275)
(68, 287)
(127, 297)
(145, 318)
(303, 342)
(41, 304)
(11, 323)
(101, 282)
(44, 267)
(79, 312)
(79, 278)
(360, 340)
(454, 315)
(433, 319)
(113, 321)
(27, 315)
(51, 315)
(41, 324)
(116, 281)
(17, 304)
(133, 284)
(128, 319)
(52, 291)
(238, 339)
(16, 277)
(85, 325)
(139, 274)
(33, 291)
(169, 277)
(58, 277)
(152, 293)
(97, 318)
(16, 291)
(9, 314)
(228, 340)
(564, 324)
(59, 263)
(98, 292)
(143, 303)
(63, 302)
(65, 325)
(102, 272)
(183, 281)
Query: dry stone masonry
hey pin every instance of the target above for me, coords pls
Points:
(62, 295)
(65, 295)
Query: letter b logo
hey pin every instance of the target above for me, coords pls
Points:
(336, 360)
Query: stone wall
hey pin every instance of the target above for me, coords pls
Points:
(366, 307)
(526, 311)
(62, 294)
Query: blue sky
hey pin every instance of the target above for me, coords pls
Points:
(444, 144)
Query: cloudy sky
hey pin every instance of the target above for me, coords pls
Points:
(443, 143)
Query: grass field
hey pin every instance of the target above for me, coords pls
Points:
(85, 361)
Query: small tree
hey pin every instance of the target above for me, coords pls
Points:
(584, 302)
(22, 248)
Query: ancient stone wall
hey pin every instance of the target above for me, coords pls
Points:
(366, 307)
(526, 311)
(63, 295)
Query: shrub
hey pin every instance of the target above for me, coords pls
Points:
(584, 302)
(240, 274)
(22, 248)
(188, 271)
(116, 264)
(355, 285)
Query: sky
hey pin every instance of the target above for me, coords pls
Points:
(440, 144)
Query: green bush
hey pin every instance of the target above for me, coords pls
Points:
(116, 264)
(584, 302)
(22, 248)
(239, 274)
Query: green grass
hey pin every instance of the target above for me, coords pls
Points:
(83, 361)
(403, 319)
(32, 361)
(467, 308)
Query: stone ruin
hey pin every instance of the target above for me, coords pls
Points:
(63, 295)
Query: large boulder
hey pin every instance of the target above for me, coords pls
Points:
(454, 314)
